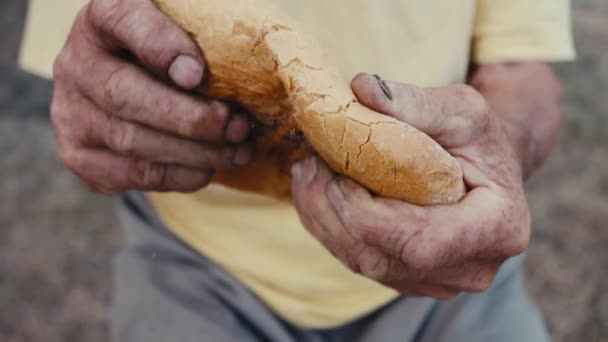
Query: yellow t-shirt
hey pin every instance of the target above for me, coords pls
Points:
(425, 42)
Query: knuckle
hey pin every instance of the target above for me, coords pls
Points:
(219, 113)
(155, 176)
(194, 125)
(378, 273)
(478, 108)
(359, 225)
(60, 71)
(106, 15)
(354, 261)
(115, 88)
(416, 97)
(473, 97)
(68, 65)
(149, 48)
(395, 237)
(416, 253)
(70, 120)
(371, 265)
(419, 258)
(422, 262)
(517, 244)
(70, 62)
(151, 176)
(72, 159)
(144, 34)
(57, 110)
(122, 137)
(75, 161)
(204, 120)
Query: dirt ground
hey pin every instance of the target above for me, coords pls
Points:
(56, 239)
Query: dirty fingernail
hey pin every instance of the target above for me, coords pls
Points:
(238, 129)
(243, 155)
(385, 89)
(186, 72)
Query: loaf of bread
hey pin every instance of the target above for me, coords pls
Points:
(257, 56)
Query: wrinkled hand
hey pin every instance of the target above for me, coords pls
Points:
(436, 251)
(122, 110)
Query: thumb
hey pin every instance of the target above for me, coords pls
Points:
(451, 115)
(140, 28)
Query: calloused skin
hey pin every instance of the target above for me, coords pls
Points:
(126, 118)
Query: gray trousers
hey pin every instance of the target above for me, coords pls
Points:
(164, 291)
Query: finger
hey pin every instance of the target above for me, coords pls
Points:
(136, 141)
(312, 187)
(130, 94)
(364, 219)
(452, 115)
(472, 277)
(155, 40)
(310, 181)
(111, 174)
(484, 225)
(457, 117)
(375, 222)
(429, 291)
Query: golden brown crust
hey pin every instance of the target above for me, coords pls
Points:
(257, 57)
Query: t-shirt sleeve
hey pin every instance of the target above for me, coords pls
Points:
(47, 26)
(522, 30)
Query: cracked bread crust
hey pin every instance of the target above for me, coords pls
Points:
(257, 57)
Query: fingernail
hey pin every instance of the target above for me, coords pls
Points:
(186, 72)
(305, 171)
(385, 89)
(238, 129)
(297, 169)
(243, 155)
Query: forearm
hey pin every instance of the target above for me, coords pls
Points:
(526, 96)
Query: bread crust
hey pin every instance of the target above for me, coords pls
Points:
(257, 56)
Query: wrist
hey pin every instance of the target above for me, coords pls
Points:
(525, 97)
(523, 145)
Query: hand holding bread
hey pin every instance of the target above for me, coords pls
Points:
(123, 111)
(433, 251)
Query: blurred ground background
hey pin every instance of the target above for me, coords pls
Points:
(56, 239)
